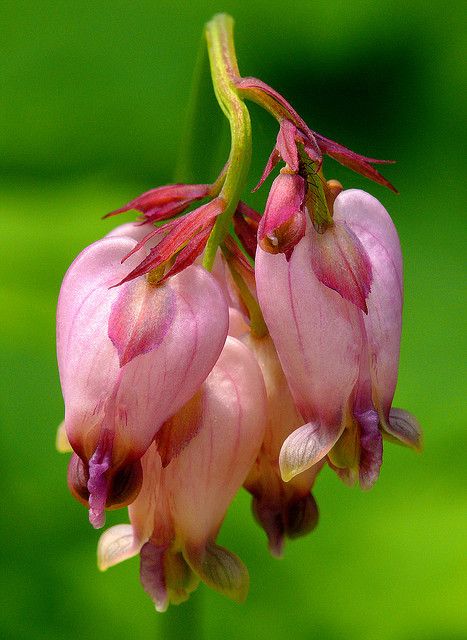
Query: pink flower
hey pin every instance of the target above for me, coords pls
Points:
(341, 364)
(129, 358)
(282, 509)
(199, 460)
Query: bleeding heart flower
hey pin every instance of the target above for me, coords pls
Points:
(282, 509)
(191, 473)
(129, 358)
(341, 364)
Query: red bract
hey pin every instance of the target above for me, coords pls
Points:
(294, 130)
(178, 234)
(165, 202)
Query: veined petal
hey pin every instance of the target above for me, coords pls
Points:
(221, 570)
(404, 427)
(371, 223)
(140, 318)
(306, 446)
(316, 333)
(206, 474)
(340, 262)
(116, 545)
(128, 402)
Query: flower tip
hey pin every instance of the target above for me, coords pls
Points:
(306, 446)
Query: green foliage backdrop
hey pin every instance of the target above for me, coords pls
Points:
(94, 96)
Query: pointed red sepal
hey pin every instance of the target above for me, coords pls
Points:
(165, 202)
(190, 253)
(181, 231)
(273, 159)
(314, 143)
(340, 262)
(358, 163)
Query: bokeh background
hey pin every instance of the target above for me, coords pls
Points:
(92, 111)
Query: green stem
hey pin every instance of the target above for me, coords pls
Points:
(224, 71)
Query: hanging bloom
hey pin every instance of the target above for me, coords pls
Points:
(341, 364)
(282, 509)
(129, 358)
(189, 483)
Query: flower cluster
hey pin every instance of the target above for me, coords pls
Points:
(207, 347)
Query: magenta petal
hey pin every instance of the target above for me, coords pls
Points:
(140, 318)
(371, 448)
(152, 574)
(340, 262)
(99, 464)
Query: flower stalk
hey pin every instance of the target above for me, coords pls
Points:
(225, 73)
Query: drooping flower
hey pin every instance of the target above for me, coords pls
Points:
(188, 485)
(341, 364)
(129, 358)
(282, 509)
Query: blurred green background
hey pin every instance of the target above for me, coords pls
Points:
(94, 96)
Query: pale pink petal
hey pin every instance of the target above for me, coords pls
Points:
(306, 446)
(371, 223)
(205, 476)
(316, 333)
(131, 402)
(116, 545)
(404, 428)
(340, 261)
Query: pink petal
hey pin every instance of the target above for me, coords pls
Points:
(140, 318)
(318, 339)
(305, 447)
(371, 223)
(340, 262)
(205, 476)
(131, 402)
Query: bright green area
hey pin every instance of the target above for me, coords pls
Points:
(93, 98)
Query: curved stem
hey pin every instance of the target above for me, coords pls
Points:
(224, 71)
